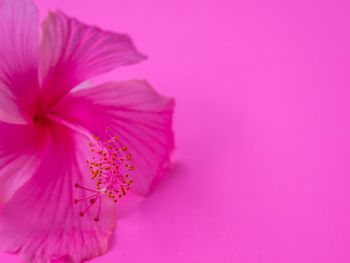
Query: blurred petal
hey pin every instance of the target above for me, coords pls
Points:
(21, 150)
(140, 117)
(19, 45)
(72, 52)
(41, 222)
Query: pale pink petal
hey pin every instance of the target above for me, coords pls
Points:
(72, 52)
(21, 150)
(19, 45)
(41, 221)
(133, 111)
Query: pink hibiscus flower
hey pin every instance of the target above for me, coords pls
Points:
(46, 127)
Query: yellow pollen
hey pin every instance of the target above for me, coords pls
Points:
(109, 167)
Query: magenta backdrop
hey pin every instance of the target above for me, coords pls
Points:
(261, 170)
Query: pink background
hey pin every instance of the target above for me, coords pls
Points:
(261, 170)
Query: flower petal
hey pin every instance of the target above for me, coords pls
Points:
(19, 46)
(72, 52)
(21, 150)
(41, 222)
(133, 111)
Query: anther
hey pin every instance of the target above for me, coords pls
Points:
(109, 167)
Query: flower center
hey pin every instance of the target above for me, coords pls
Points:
(39, 118)
(110, 167)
